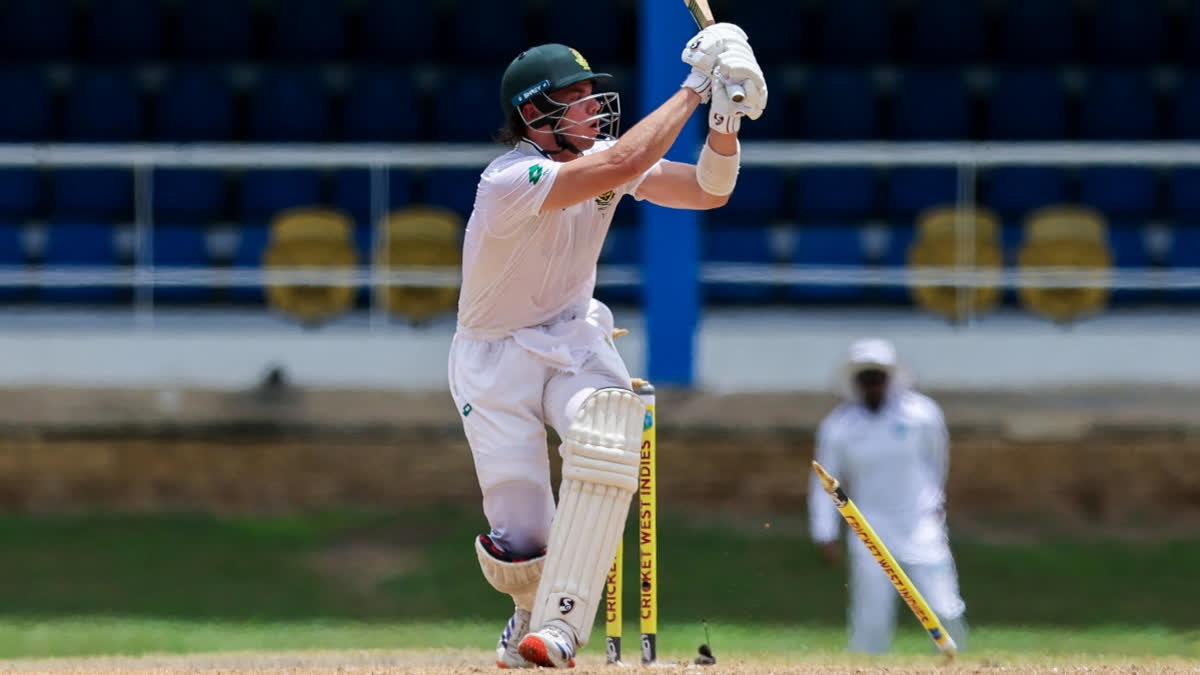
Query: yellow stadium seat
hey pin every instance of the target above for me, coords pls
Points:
(311, 238)
(421, 236)
(1073, 239)
(938, 245)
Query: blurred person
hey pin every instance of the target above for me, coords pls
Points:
(888, 445)
(533, 348)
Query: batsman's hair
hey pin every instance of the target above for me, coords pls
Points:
(513, 130)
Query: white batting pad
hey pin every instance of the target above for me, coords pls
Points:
(599, 477)
(518, 579)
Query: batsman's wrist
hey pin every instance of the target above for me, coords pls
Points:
(699, 83)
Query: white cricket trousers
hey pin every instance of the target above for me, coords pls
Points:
(506, 394)
(874, 600)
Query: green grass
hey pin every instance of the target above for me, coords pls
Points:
(99, 584)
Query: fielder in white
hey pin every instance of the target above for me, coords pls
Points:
(532, 346)
(888, 445)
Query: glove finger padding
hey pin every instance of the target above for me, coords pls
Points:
(701, 51)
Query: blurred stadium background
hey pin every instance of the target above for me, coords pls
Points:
(229, 232)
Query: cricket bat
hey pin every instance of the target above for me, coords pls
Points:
(703, 15)
(908, 592)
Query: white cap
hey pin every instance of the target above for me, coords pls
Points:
(871, 354)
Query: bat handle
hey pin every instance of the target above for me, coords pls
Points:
(736, 93)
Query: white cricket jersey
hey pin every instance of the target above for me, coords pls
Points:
(893, 466)
(523, 268)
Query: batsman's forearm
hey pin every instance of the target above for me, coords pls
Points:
(650, 139)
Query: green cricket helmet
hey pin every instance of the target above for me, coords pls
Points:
(545, 69)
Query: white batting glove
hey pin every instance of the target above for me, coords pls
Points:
(701, 54)
(724, 116)
(738, 66)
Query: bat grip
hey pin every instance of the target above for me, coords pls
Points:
(736, 93)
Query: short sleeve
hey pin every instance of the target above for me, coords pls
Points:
(514, 194)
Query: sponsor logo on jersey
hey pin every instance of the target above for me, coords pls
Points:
(535, 173)
(605, 200)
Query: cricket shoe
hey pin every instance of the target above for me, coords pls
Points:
(507, 655)
(550, 647)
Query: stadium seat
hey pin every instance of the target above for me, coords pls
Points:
(622, 246)
(947, 31)
(1119, 191)
(1127, 243)
(194, 105)
(188, 195)
(900, 237)
(100, 194)
(1036, 32)
(823, 246)
(252, 243)
(308, 30)
(775, 30)
(352, 192)
(854, 32)
(12, 254)
(122, 31)
(1128, 32)
(383, 20)
(931, 105)
(1065, 236)
(505, 34)
(1118, 104)
(38, 30)
(290, 104)
(1027, 105)
(1185, 122)
(757, 199)
(80, 245)
(180, 246)
(911, 189)
(478, 106)
(266, 192)
(1015, 190)
(104, 105)
(736, 244)
(381, 105)
(217, 30)
(939, 244)
(27, 105)
(839, 104)
(20, 194)
(594, 30)
(453, 189)
(835, 192)
(1185, 193)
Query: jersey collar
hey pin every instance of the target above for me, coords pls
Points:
(528, 147)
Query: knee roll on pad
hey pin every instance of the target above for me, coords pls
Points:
(599, 477)
(516, 578)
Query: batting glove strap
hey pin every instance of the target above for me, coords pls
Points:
(700, 83)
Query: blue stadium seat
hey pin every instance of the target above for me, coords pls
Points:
(736, 244)
(835, 192)
(827, 245)
(1118, 104)
(352, 192)
(104, 105)
(594, 30)
(38, 30)
(505, 34)
(839, 104)
(252, 242)
(1119, 191)
(1027, 105)
(452, 188)
(775, 30)
(20, 194)
(1128, 32)
(900, 237)
(124, 31)
(383, 20)
(308, 29)
(194, 104)
(931, 105)
(180, 246)
(757, 198)
(100, 194)
(1185, 254)
(1127, 242)
(12, 254)
(911, 189)
(27, 105)
(191, 195)
(216, 30)
(290, 105)
(1185, 122)
(382, 105)
(1036, 32)
(1013, 191)
(265, 192)
(75, 244)
(947, 31)
(477, 105)
(622, 246)
(855, 32)
(1185, 192)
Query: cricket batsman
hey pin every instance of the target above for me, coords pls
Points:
(888, 445)
(533, 348)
